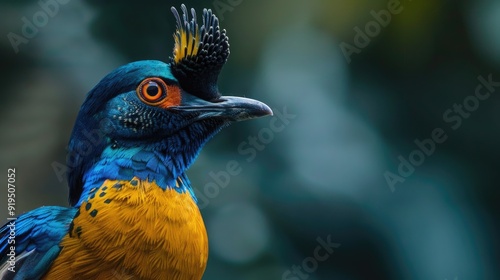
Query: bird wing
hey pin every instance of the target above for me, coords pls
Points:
(37, 235)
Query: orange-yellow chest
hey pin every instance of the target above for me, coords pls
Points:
(134, 230)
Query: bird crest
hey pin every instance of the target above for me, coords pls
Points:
(199, 52)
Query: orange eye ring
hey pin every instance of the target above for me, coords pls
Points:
(152, 91)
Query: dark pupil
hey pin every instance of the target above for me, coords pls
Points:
(152, 89)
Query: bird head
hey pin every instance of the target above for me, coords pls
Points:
(157, 109)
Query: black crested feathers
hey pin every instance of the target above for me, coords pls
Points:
(199, 53)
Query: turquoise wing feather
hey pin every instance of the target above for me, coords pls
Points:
(37, 235)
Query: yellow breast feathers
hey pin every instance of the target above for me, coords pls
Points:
(134, 230)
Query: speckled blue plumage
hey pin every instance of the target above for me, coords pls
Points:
(139, 162)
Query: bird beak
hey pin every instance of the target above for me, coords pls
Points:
(232, 108)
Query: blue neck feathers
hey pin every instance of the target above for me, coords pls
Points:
(163, 161)
(118, 163)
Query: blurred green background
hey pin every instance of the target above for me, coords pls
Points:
(319, 174)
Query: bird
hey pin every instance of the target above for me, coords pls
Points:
(132, 210)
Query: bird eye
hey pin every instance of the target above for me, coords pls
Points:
(152, 91)
(156, 92)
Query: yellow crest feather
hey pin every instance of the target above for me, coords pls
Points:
(187, 36)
